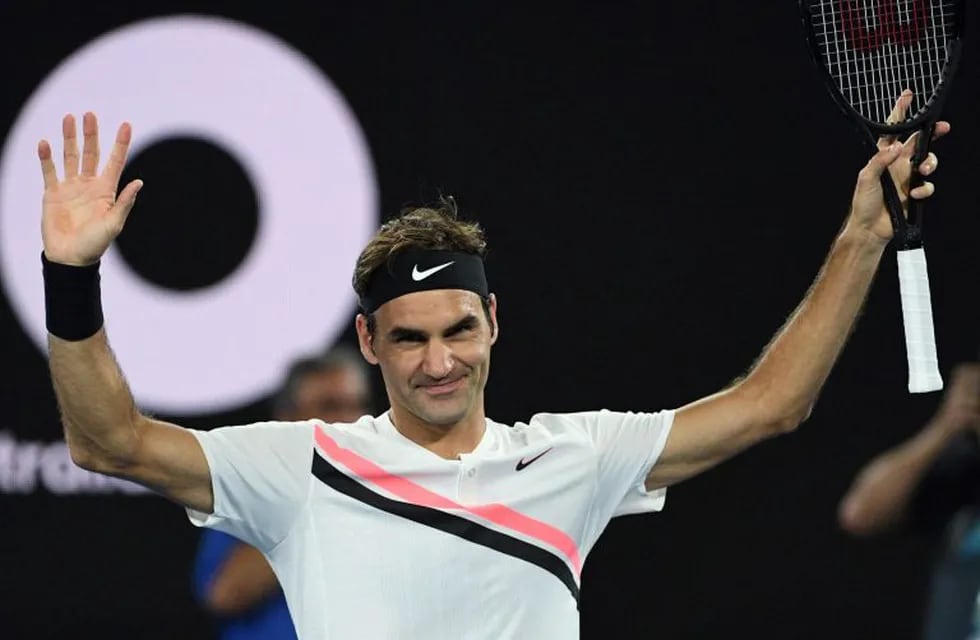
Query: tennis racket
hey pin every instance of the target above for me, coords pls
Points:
(868, 52)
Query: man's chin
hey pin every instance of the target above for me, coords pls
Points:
(445, 416)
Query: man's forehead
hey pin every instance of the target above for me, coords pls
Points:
(435, 305)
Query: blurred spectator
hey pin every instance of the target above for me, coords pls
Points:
(233, 580)
(932, 482)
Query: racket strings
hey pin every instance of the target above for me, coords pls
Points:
(874, 49)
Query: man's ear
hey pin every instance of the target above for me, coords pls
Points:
(493, 319)
(365, 340)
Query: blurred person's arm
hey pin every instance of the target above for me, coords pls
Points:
(243, 581)
(105, 432)
(885, 490)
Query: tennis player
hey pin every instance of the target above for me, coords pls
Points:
(430, 520)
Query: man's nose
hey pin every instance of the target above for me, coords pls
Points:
(438, 362)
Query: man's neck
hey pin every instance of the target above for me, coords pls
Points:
(446, 441)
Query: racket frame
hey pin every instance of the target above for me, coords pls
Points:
(916, 307)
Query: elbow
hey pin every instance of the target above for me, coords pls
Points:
(223, 599)
(864, 515)
(779, 421)
(859, 519)
(90, 460)
(94, 457)
(791, 420)
(220, 602)
(775, 413)
(83, 456)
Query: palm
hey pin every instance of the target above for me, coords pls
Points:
(870, 197)
(75, 219)
(81, 214)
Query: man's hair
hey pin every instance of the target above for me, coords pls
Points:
(339, 357)
(437, 228)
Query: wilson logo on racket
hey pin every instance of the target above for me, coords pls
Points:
(871, 30)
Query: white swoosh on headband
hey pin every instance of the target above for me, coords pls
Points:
(418, 276)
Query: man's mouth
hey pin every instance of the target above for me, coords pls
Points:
(443, 388)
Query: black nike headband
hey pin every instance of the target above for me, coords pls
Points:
(413, 270)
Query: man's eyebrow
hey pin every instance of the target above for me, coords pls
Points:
(404, 333)
(469, 322)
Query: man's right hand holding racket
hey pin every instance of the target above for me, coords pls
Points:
(780, 390)
(868, 211)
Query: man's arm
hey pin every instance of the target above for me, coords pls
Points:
(107, 434)
(243, 581)
(883, 490)
(779, 391)
(103, 428)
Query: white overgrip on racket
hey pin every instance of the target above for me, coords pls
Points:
(920, 338)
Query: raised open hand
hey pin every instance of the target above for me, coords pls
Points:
(81, 214)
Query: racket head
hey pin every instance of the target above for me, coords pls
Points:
(866, 56)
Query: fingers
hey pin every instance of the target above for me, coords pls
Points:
(880, 161)
(938, 131)
(929, 165)
(88, 161)
(90, 148)
(117, 157)
(48, 170)
(124, 204)
(897, 115)
(70, 134)
(923, 191)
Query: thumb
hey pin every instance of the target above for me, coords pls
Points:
(880, 161)
(124, 203)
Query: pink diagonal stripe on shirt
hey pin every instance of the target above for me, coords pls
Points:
(416, 494)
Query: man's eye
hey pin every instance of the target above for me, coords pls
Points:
(462, 331)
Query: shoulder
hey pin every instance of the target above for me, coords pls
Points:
(366, 426)
(579, 421)
(275, 435)
(551, 424)
(601, 424)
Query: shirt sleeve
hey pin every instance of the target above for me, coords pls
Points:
(260, 476)
(627, 445)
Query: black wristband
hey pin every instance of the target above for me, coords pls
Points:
(72, 300)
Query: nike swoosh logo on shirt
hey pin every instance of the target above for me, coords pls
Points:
(418, 276)
(523, 462)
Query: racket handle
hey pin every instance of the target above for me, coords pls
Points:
(920, 337)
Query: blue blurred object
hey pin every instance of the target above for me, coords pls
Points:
(270, 621)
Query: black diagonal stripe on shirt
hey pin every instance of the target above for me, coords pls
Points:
(447, 522)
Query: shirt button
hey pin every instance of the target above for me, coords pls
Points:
(471, 472)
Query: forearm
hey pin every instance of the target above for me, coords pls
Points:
(97, 409)
(883, 489)
(790, 372)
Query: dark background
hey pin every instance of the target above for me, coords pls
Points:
(659, 183)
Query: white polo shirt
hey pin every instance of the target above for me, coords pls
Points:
(374, 537)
